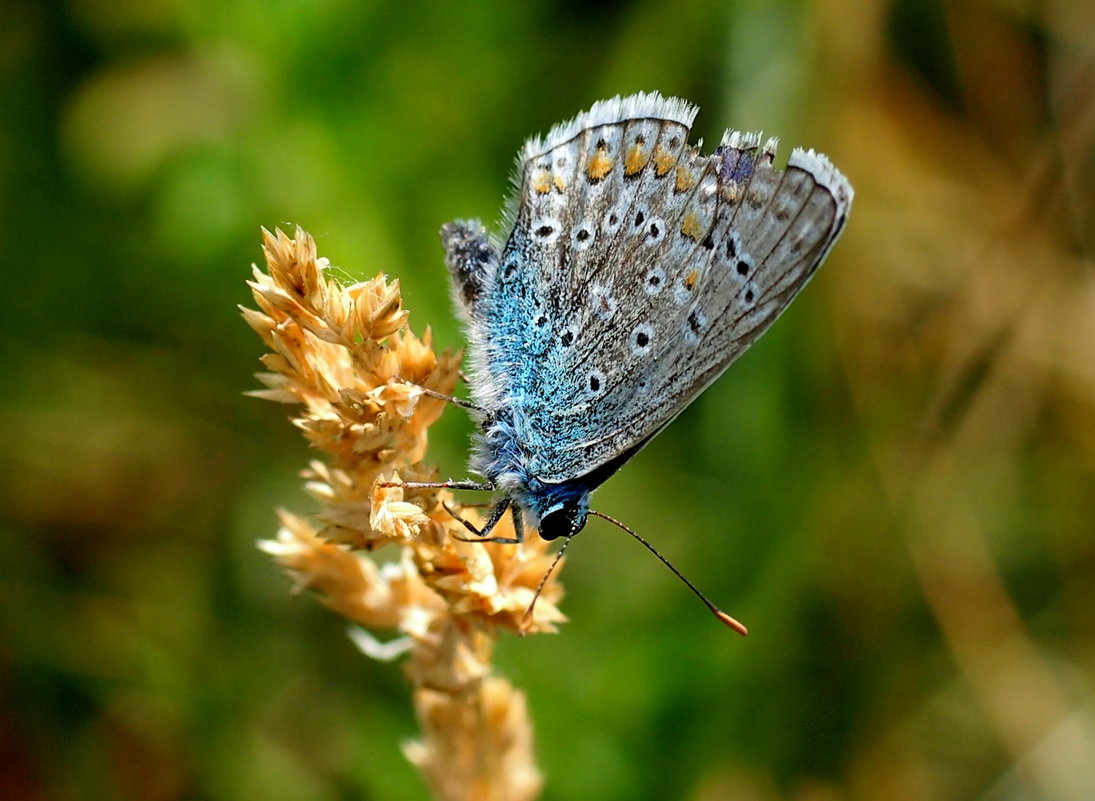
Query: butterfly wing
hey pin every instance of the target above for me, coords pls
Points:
(635, 271)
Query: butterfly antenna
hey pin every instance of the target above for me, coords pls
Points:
(526, 621)
(718, 613)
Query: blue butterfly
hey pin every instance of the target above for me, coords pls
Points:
(634, 270)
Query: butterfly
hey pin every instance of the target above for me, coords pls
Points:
(633, 270)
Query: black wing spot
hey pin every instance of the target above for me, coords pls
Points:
(708, 243)
(567, 338)
(749, 295)
(582, 235)
(694, 323)
(544, 231)
(640, 218)
(641, 338)
(743, 267)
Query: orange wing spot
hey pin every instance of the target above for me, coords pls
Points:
(663, 162)
(691, 280)
(635, 160)
(685, 178)
(691, 226)
(560, 183)
(541, 182)
(600, 164)
(731, 193)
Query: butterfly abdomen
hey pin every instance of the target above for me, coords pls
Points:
(498, 454)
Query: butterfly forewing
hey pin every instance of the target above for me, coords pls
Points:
(637, 270)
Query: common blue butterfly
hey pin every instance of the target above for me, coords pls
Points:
(633, 270)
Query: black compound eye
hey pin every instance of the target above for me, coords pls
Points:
(565, 521)
(556, 525)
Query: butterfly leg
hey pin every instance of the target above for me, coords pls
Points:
(442, 396)
(496, 514)
(518, 526)
(481, 535)
(459, 485)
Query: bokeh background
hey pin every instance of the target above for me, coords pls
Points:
(894, 488)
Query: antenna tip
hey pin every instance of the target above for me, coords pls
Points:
(729, 621)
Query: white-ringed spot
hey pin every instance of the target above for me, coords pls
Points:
(642, 339)
(596, 383)
(654, 280)
(748, 294)
(585, 233)
(613, 220)
(545, 230)
(655, 231)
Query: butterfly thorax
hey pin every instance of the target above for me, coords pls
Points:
(501, 456)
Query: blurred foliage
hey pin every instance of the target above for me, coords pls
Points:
(894, 489)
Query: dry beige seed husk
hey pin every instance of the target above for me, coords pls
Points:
(387, 558)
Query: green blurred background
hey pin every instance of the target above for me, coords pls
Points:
(894, 489)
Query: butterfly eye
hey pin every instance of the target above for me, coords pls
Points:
(564, 519)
